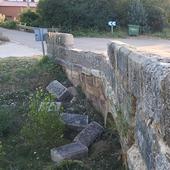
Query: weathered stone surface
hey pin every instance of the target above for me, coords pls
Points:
(88, 135)
(73, 91)
(59, 91)
(70, 151)
(75, 121)
(134, 159)
(50, 106)
(60, 39)
(132, 83)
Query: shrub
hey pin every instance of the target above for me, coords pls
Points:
(72, 14)
(29, 17)
(156, 18)
(137, 15)
(44, 127)
(9, 24)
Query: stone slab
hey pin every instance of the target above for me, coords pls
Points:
(88, 135)
(75, 121)
(50, 106)
(70, 151)
(59, 91)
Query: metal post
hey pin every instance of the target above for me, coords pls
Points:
(112, 29)
(42, 41)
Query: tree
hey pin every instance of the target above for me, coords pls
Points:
(137, 15)
(73, 14)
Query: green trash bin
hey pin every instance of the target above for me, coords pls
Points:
(133, 30)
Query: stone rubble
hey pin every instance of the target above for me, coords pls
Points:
(69, 151)
(59, 91)
(75, 122)
(89, 134)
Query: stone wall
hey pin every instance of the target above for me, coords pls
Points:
(131, 86)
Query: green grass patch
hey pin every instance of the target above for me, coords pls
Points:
(19, 79)
(165, 34)
(117, 33)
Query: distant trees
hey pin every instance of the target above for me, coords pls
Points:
(77, 14)
(73, 14)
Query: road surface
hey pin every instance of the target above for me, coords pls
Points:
(27, 41)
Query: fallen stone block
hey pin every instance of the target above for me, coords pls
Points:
(59, 91)
(70, 151)
(50, 106)
(88, 135)
(75, 121)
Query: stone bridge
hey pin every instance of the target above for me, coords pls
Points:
(131, 86)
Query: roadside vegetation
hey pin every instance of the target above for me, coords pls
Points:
(90, 18)
(28, 131)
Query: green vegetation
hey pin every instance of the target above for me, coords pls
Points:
(70, 16)
(24, 131)
(164, 34)
(30, 18)
(9, 24)
(118, 33)
(42, 120)
(29, 128)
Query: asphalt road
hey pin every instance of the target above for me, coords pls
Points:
(152, 45)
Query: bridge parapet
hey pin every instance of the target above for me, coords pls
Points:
(133, 86)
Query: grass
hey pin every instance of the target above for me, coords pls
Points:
(19, 78)
(165, 34)
(118, 33)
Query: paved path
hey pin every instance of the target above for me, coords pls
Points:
(153, 45)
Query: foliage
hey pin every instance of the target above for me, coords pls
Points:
(73, 14)
(5, 120)
(163, 34)
(31, 18)
(118, 33)
(44, 126)
(137, 15)
(71, 165)
(156, 18)
(9, 24)
(19, 77)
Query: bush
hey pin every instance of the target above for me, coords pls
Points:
(72, 14)
(156, 18)
(31, 18)
(9, 24)
(44, 127)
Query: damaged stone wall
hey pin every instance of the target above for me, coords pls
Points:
(131, 86)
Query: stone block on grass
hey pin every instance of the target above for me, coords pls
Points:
(73, 151)
(59, 91)
(89, 134)
(75, 122)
